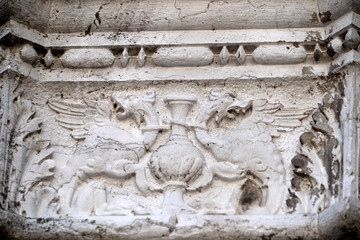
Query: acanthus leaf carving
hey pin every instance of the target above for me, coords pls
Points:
(316, 166)
(32, 166)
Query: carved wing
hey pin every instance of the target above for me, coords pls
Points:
(275, 115)
(79, 117)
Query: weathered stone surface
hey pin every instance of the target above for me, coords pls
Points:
(352, 38)
(87, 58)
(48, 59)
(279, 54)
(28, 54)
(115, 132)
(2, 54)
(183, 56)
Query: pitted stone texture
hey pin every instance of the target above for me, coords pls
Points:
(2, 54)
(87, 58)
(28, 54)
(279, 54)
(183, 56)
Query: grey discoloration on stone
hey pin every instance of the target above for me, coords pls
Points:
(49, 59)
(352, 38)
(28, 54)
(87, 58)
(183, 56)
(335, 47)
(2, 54)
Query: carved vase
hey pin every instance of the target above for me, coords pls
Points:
(177, 163)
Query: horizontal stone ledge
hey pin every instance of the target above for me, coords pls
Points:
(148, 74)
(161, 227)
(206, 73)
(335, 222)
(183, 56)
(176, 38)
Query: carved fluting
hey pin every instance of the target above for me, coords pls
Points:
(317, 166)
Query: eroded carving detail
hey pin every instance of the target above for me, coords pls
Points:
(245, 156)
(107, 150)
(177, 163)
(247, 153)
(317, 166)
(32, 165)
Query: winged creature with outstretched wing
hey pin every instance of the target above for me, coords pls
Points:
(107, 149)
(247, 153)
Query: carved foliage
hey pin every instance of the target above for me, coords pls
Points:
(32, 165)
(317, 165)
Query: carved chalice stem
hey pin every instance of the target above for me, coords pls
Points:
(178, 162)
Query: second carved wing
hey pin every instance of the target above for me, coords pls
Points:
(80, 117)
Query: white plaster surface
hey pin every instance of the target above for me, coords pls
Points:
(180, 128)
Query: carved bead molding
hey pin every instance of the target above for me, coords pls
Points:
(182, 134)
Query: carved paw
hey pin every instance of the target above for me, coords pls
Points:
(228, 171)
(94, 166)
(121, 168)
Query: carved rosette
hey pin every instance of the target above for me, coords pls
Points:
(177, 163)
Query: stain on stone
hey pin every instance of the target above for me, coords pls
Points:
(325, 16)
(307, 139)
(314, 18)
(88, 31)
(330, 51)
(307, 70)
(251, 195)
(292, 201)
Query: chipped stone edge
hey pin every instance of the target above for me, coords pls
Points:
(339, 220)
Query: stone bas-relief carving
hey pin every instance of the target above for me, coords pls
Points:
(189, 124)
(165, 168)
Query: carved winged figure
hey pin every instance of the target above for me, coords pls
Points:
(247, 153)
(107, 150)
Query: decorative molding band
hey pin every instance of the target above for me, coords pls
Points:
(180, 38)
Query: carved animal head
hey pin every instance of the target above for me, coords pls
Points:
(132, 105)
(227, 104)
